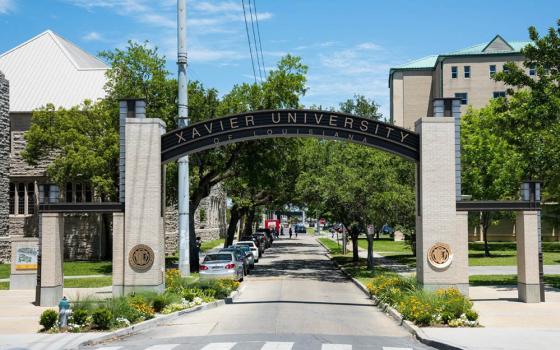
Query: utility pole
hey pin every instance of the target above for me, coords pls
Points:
(183, 121)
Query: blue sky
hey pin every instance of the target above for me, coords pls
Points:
(349, 45)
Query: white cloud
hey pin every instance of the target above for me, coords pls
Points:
(6, 6)
(368, 46)
(92, 36)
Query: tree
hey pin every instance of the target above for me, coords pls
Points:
(491, 168)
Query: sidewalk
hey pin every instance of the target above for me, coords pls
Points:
(66, 277)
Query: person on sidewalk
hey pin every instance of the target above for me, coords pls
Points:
(290, 232)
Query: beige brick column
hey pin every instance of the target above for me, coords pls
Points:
(51, 238)
(438, 225)
(143, 220)
(526, 229)
(118, 253)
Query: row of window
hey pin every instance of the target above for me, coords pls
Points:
(465, 96)
(22, 195)
(491, 71)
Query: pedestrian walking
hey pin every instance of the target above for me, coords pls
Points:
(296, 230)
(197, 247)
(290, 232)
(282, 230)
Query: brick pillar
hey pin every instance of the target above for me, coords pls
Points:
(526, 231)
(4, 161)
(51, 238)
(441, 258)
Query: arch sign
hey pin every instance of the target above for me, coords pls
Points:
(289, 123)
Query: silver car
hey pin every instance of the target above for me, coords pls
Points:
(221, 265)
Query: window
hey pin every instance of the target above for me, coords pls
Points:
(467, 72)
(12, 198)
(497, 94)
(532, 70)
(463, 96)
(79, 194)
(506, 70)
(21, 198)
(87, 193)
(30, 198)
(69, 195)
(454, 72)
(48, 193)
(492, 70)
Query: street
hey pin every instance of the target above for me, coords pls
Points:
(294, 299)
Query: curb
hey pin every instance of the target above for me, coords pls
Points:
(410, 327)
(154, 322)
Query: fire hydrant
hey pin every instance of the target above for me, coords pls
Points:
(63, 312)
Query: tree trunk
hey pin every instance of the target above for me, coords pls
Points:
(248, 227)
(370, 252)
(232, 226)
(486, 216)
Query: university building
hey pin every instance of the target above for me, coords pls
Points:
(50, 69)
(465, 74)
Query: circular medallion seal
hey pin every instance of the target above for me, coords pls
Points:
(141, 258)
(440, 255)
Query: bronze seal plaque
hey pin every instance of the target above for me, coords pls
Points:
(141, 258)
(440, 255)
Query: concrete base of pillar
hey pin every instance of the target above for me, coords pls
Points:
(119, 290)
(23, 281)
(529, 293)
(50, 296)
(462, 287)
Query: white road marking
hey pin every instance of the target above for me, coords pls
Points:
(336, 347)
(110, 348)
(163, 347)
(219, 346)
(390, 348)
(270, 345)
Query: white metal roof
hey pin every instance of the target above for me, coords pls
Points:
(50, 69)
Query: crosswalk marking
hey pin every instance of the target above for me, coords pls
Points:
(390, 348)
(163, 347)
(277, 346)
(336, 347)
(110, 348)
(219, 346)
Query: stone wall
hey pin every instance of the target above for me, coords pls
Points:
(84, 237)
(4, 168)
(212, 211)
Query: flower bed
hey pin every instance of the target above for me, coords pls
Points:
(180, 293)
(425, 308)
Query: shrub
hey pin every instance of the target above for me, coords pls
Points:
(451, 304)
(48, 319)
(159, 302)
(471, 315)
(120, 307)
(102, 318)
(417, 308)
(222, 287)
(173, 279)
(140, 304)
(79, 317)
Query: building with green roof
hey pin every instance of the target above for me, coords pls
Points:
(465, 73)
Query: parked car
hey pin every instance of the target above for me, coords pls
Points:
(266, 238)
(257, 241)
(221, 265)
(299, 228)
(248, 254)
(268, 234)
(239, 255)
(262, 240)
(253, 246)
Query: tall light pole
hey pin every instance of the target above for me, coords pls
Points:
(183, 120)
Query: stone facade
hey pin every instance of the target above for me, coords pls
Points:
(209, 219)
(5, 245)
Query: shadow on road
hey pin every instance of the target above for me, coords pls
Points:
(299, 302)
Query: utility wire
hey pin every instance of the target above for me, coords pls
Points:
(259, 34)
(249, 41)
(255, 39)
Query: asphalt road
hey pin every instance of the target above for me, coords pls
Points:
(294, 299)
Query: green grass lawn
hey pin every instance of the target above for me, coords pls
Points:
(502, 253)
(90, 282)
(209, 245)
(502, 280)
(4, 270)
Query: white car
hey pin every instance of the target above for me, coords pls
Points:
(253, 246)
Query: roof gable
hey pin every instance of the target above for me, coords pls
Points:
(50, 69)
(498, 44)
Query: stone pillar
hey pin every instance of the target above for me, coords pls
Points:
(526, 230)
(119, 259)
(440, 259)
(143, 251)
(25, 252)
(51, 280)
(4, 167)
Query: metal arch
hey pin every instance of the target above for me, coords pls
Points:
(289, 123)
